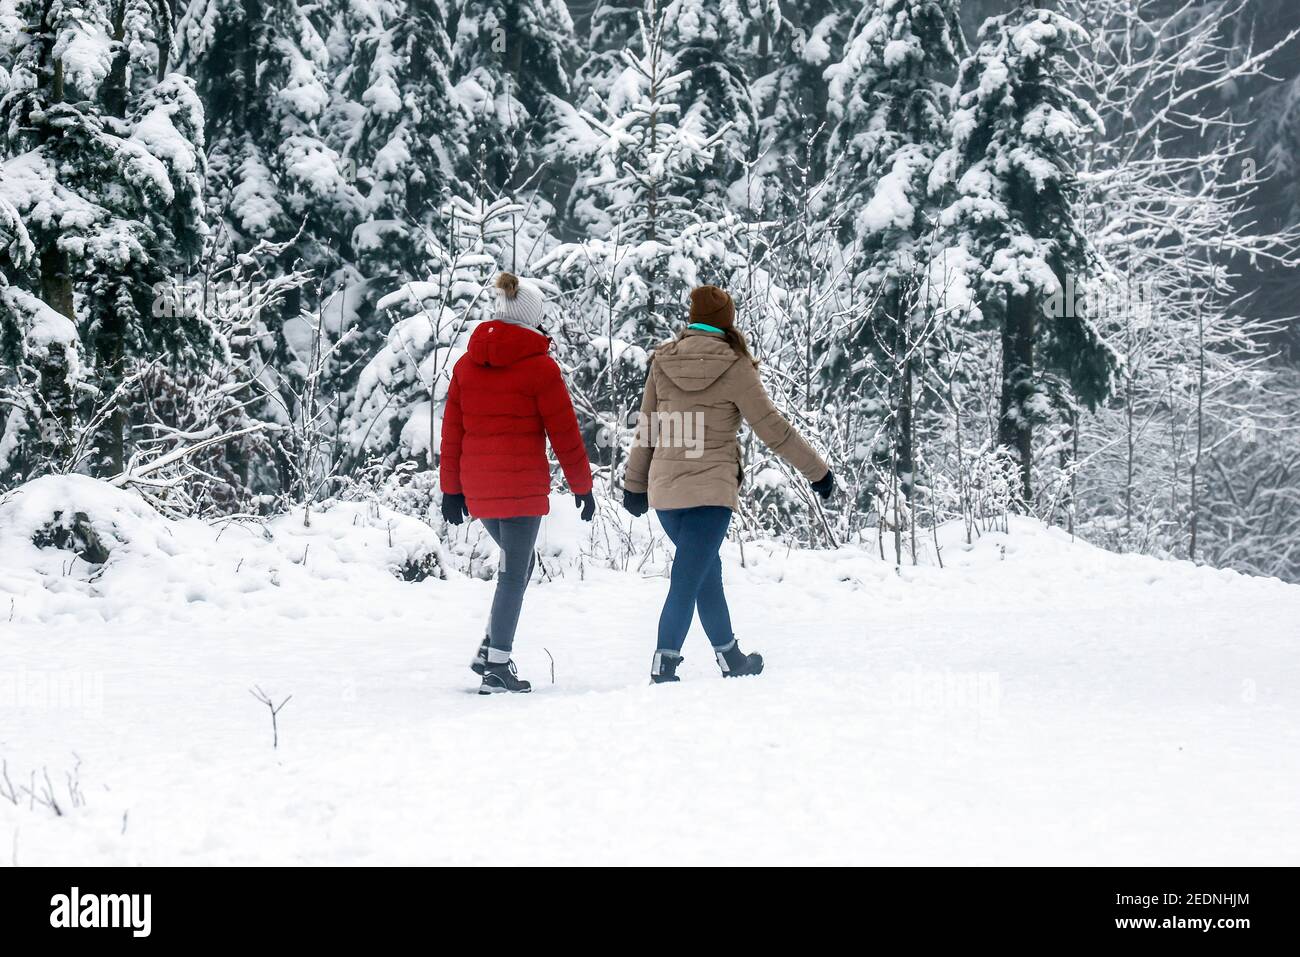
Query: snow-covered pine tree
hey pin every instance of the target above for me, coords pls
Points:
(313, 157)
(890, 99)
(400, 132)
(725, 47)
(486, 93)
(717, 48)
(508, 58)
(40, 377)
(15, 245)
(639, 203)
(103, 161)
(793, 49)
(396, 414)
(265, 70)
(39, 366)
(649, 156)
(1013, 207)
(613, 28)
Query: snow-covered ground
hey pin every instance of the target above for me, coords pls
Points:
(1035, 701)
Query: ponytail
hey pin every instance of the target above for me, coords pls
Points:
(739, 344)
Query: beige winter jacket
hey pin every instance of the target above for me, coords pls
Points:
(686, 452)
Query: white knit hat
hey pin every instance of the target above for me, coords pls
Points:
(520, 302)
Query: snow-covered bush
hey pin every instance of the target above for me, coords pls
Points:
(361, 533)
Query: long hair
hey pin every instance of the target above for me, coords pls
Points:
(739, 344)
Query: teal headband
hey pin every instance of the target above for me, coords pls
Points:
(706, 328)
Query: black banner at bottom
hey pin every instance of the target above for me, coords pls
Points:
(1224, 907)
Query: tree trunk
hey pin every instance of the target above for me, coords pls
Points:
(56, 281)
(652, 218)
(1200, 429)
(168, 16)
(906, 453)
(1015, 430)
(251, 52)
(111, 440)
(113, 92)
(1072, 500)
(55, 442)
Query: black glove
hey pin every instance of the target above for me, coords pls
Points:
(635, 503)
(586, 502)
(453, 508)
(825, 485)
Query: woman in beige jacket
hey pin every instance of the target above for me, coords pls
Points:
(685, 463)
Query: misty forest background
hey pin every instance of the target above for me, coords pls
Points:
(995, 257)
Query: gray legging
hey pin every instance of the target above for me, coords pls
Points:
(517, 538)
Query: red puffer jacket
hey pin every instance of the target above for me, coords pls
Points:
(506, 397)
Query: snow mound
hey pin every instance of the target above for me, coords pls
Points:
(74, 514)
(72, 546)
(366, 534)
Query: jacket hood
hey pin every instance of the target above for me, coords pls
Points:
(497, 343)
(696, 360)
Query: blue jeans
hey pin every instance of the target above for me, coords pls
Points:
(517, 538)
(696, 583)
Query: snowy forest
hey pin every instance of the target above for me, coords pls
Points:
(995, 258)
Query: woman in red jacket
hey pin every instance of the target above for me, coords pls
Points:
(507, 397)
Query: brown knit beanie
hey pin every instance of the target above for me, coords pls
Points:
(712, 306)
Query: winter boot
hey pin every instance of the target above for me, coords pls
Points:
(663, 667)
(502, 679)
(735, 663)
(479, 664)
